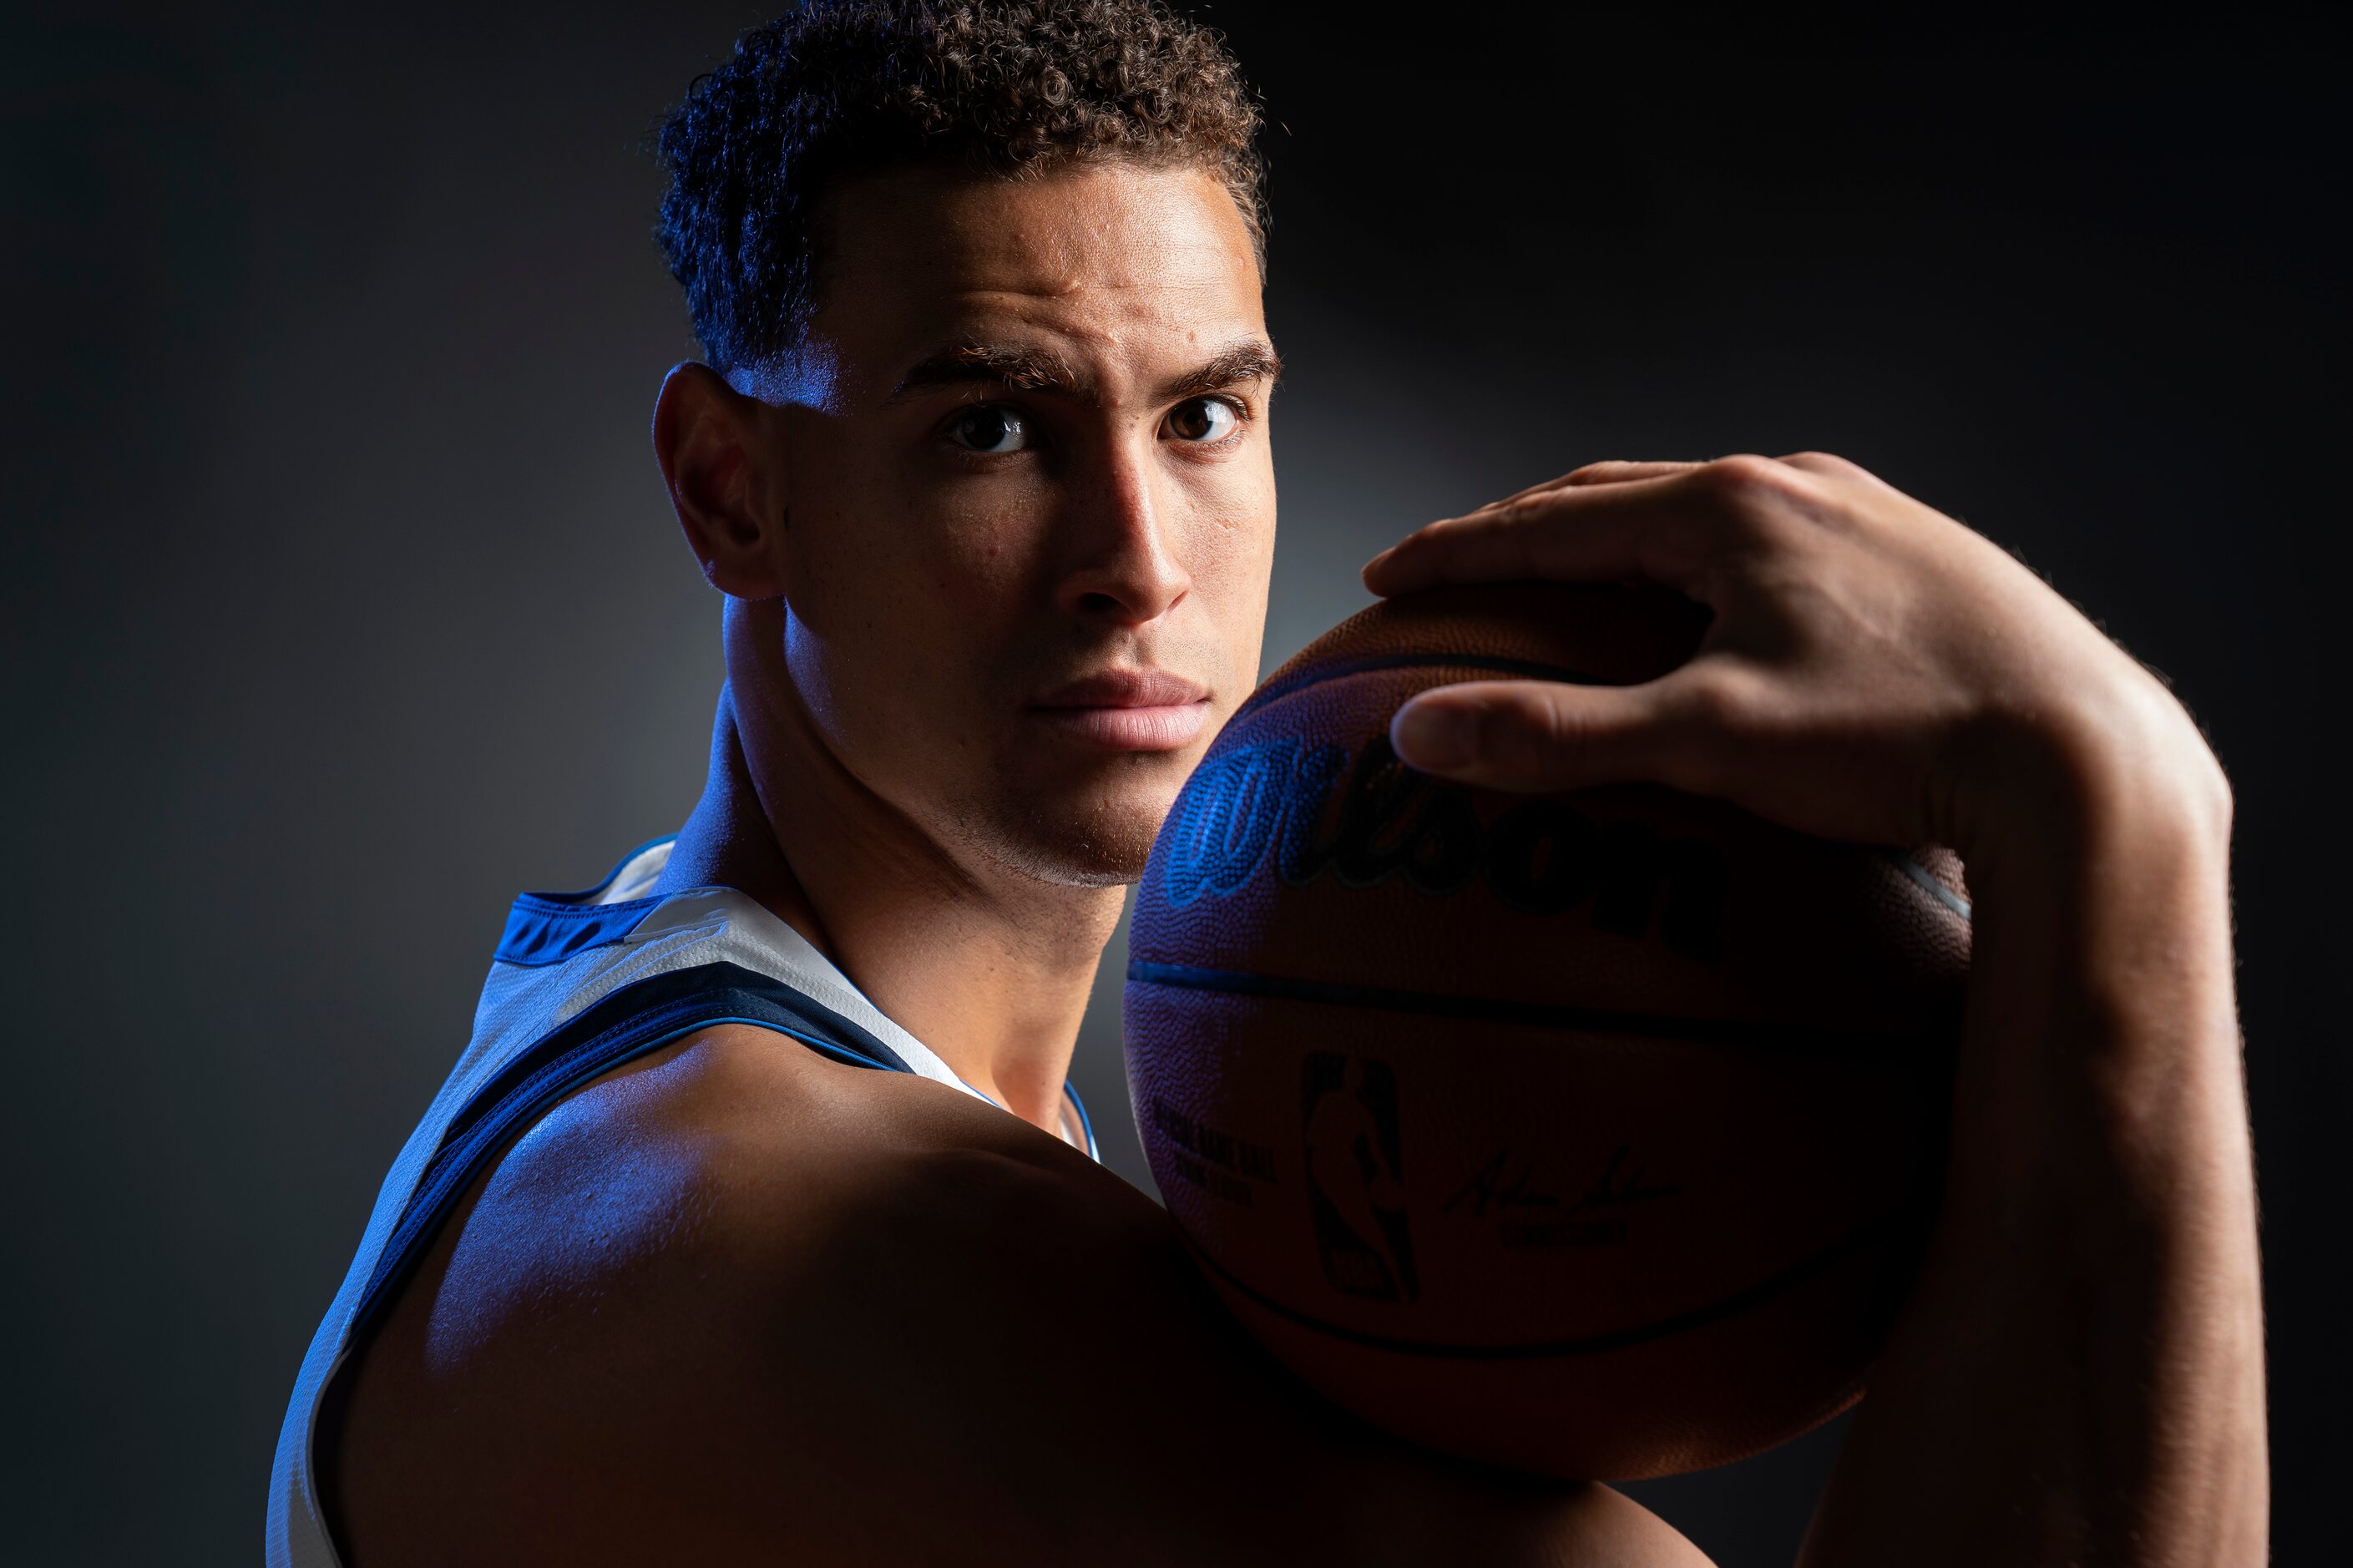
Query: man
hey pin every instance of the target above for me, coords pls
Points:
(756, 1224)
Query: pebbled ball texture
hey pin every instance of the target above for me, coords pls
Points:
(1592, 1134)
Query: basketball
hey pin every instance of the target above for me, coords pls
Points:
(1593, 1134)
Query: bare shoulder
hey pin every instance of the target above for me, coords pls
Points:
(737, 1300)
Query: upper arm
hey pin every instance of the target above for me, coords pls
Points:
(886, 1323)
(1002, 1351)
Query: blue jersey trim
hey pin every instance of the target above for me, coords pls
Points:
(628, 1024)
(540, 931)
(1086, 1125)
(545, 929)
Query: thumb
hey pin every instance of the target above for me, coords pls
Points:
(1539, 735)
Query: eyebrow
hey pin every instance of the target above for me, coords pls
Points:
(1018, 367)
(1014, 365)
(1253, 359)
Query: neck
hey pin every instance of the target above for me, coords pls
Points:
(989, 968)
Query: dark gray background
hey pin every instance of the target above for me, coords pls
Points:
(342, 601)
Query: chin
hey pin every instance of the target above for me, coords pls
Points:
(1095, 838)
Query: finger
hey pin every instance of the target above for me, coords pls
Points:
(1616, 471)
(1556, 482)
(1619, 472)
(1648, 528)
(1831, 466)
(1549, 736)
(1608, 472)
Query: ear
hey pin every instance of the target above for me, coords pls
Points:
(724, 480)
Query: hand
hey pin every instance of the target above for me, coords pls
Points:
(1874, 671)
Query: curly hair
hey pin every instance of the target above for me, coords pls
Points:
(842, 87)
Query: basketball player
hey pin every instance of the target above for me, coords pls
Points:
(756, 1224)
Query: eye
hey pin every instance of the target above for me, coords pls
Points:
(1204, 421)
(989, 428)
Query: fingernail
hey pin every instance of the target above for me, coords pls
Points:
(1435, 737)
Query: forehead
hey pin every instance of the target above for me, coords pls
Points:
(1120, 265)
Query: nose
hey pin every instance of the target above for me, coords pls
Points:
(1124, 564)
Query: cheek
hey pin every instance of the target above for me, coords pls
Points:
(981, 559)
(1233, 562)
(955, 542)
(895, 610)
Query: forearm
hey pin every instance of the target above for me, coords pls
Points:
(2078, 1376)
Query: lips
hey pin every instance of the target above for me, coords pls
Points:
(1128, 710)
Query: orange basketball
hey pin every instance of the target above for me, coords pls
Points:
(1593, 1134)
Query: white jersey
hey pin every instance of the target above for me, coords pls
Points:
(581, 983)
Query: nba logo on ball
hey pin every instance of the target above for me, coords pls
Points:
(1593, 1134)
(1355, 1176)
